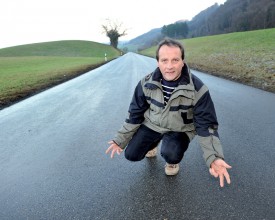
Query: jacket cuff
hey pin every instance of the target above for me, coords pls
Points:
(210, 160)
(119, 143)
(125, 134)
(212, 148)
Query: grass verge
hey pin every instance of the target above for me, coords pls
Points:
(21, 77)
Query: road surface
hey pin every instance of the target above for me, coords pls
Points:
(53, 163)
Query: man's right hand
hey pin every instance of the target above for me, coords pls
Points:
(114, 148)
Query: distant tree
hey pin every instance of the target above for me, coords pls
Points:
(125, 49)
(176, 30)
(113, 31)
(270, 16)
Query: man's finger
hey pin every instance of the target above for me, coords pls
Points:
(221, 180)
(109, 148)
(224, 164)
(118, 151)
(213, 172)
(227, 177)
(112, 154)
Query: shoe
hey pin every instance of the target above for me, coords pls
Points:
(152, 153)
(171, 169)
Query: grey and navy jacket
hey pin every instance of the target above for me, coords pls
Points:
(190, 109)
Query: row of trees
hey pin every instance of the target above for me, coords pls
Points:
(176, 30)
(233, 16)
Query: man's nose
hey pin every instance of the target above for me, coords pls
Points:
(169, 64)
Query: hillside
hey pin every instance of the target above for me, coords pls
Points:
(143, 41)
(197, 26)
(67, 48)
(246, 57)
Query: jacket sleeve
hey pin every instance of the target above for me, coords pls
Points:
(135, 117)
(206, 125)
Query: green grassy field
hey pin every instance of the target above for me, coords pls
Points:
(27, 69)
(246, 57)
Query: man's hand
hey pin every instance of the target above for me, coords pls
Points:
(218, 168)
(114, 148)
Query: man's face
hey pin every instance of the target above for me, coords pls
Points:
(170, 62)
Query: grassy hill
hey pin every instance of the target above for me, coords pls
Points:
(246, 57)
(27, 69)
(67, 48)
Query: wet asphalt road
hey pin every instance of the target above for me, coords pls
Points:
(53, 163)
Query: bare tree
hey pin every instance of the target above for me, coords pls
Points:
(113, 31)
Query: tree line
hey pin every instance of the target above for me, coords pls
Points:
(176, 30)
(232, 16)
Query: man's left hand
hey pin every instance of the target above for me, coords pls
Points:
(218, 168)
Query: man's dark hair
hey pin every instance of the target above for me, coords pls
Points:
(170, 43)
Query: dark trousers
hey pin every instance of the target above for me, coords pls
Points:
(173, 146)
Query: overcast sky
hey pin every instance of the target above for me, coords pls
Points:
(33, 21)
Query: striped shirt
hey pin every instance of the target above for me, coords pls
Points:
(168, 87)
